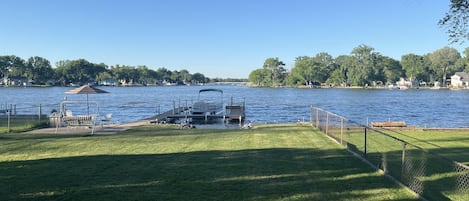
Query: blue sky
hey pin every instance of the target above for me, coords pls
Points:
(219, 38)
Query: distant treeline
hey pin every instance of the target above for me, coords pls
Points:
(38, 70)
(363, 67)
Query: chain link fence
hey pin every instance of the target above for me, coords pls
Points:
(18, 118)
(432, 176)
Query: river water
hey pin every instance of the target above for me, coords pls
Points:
(419, 107)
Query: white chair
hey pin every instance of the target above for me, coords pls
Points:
(107, 119)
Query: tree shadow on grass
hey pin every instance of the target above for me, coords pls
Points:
(259, 174)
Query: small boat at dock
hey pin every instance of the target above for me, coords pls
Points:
(209, 108)
(205, 105)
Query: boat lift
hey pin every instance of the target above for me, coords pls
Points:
(68, 118)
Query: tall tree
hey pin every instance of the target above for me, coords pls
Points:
(12, 65)
(199, 78)
(414, 66)
(163, 74)
(362, 68)
(78, 71)
(465, 60)
(456, 21)
(40, 69)
(303, 71)
(325, 64)
(339, 75)
(276, 70)
(391, 68)
(258, 77)
(185, 75)
(443, 62)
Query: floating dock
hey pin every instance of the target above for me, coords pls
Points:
(389, 124)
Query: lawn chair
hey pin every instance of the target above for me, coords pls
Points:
(106, 120)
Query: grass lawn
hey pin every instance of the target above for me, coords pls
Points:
(20, 124)
(453, 144)
(270, 162)
(435, 177)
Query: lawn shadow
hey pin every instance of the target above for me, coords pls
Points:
(257, 174)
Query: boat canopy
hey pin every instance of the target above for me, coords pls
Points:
(205, 90)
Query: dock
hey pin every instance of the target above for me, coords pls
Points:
(204, 111)
(389, 124)
(233, 113)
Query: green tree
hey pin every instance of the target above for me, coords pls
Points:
(443, 62)
(340, 75)
(12, 65)
(303, 71)
(391, 68)
(163, 74)
(199, 78)
(78, 71)
(275, 70)
(465, 60)
(326, 65)
(105, 75)
(39, 69)
(176, 77)
(185, 76)
(456, 21)
(126, 74)
(258, 77)
(8, 64)
(337, 77)
(414, 66)
(146, 76)
(363, 67)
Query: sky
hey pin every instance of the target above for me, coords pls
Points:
(218, 38)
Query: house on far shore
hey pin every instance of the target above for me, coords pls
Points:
(460, 80)
(16, 82)
(109, 82)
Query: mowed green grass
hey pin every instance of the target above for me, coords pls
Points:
(436, 177)
(269, 162)
(453, 144)
(20, 124)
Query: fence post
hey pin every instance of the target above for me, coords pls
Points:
(317, 118)
(341, 130)
(174, 107)
(364, 147)
(311, 116)
(8, 120)
(40, 112)
(327, 123)
(403, 172)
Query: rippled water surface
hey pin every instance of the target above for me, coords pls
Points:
(426, 108)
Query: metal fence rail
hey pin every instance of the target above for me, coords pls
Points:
(430, 175)
(17, 118)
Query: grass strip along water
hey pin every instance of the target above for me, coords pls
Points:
(269, 162)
